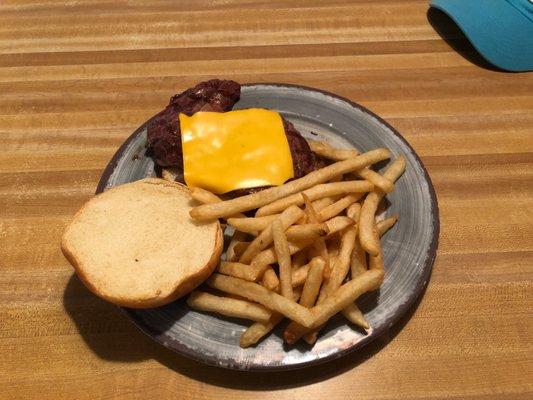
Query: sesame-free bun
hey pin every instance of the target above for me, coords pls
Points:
(135, 245)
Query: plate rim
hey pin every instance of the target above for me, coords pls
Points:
(420, 284)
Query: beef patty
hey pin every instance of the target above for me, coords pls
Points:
(164, 135)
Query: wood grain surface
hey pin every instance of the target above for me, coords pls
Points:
(76, 78)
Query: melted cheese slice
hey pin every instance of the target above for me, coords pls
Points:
(235, 150)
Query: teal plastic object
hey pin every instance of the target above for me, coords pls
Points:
(500, 30)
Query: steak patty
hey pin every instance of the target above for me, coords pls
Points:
(164, 135)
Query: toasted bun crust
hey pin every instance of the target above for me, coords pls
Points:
(136, 246)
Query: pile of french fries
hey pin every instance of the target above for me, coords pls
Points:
(311, 249)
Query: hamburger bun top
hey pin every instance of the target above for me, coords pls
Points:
(135, 245)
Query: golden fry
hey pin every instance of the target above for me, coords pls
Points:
(337, 207)
(258, 330)
(258, 224)
(206, 197)
(281, 248)
(368, 234)
(353, 211)
(227, 306)
(249, 202)
(270, 280)
(342, 263)
(379, 181)
(257, 293)
(261, 242)
(250, 273)
(313, 282)
(355, 316)
(252, 225)
(307, 231)
(325, 150)
(358, 263)
(319, 245)
(384, 225)
(315, 193)
(236, 246)
(345, 295)
(309, 295)
(319, 205)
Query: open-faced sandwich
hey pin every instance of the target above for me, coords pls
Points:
(301, 215)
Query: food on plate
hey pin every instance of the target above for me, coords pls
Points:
(127, 244)
(283, 257)
(305, 238)
(164, 130)
(227, 306)
(264, 197)
(367, 229)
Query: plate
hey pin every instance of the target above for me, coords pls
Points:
(409, 247)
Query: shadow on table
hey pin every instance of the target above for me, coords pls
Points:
(109, 333)
(456, 39)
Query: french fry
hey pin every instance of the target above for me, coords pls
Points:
(353, 211)
(319, 245)
(384, 225)
(227, 306)
(358, 263)
(257, 224)
(307, 231)
(357, 266)
(270, 280)
(337, 207)
(252, 225)
(206, 212)
(257, 293)
(315, 193)
(345, 295)
(281, 248)
(323, 149)
(376, 262)
(206, 197)
(250, 273)
(309, 295)
(342, 263)
(368, 234)
(313, 282)
(299, 275)
(236, 246)
(320, 204)
(269, 257)
(340, 300)
(261, 242)
(353, 314)
(340, 270)
(378, 180)
(255, 332)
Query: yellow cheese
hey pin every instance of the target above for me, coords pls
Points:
(235, 150)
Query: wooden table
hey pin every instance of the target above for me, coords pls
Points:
(77, 78)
